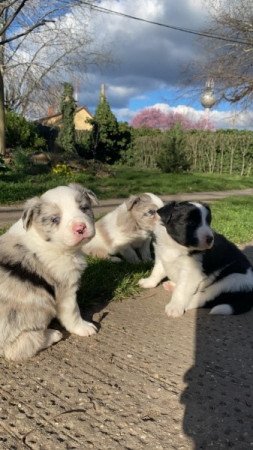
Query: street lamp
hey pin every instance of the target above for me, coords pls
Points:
(208, 99)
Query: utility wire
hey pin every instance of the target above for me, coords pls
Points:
(172, 27)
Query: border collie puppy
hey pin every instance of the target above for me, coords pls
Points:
(204, 268)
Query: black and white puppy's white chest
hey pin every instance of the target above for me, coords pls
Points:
(203, 266)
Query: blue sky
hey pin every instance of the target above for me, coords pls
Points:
(150, 63)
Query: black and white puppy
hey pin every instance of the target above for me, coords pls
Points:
(204, 268)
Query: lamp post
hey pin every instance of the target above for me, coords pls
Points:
(207, 98)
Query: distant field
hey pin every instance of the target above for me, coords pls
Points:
(123, 182)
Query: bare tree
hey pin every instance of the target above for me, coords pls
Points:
(229, 59)
(42, 42)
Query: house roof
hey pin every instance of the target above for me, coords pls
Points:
(59, 114)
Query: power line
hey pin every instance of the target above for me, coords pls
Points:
(172, 27)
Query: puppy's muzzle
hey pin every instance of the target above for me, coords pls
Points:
(209, 241)
(81, 231)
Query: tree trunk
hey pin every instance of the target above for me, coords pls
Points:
(2, 116)
(2, 112)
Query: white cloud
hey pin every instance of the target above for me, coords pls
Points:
(147, 57)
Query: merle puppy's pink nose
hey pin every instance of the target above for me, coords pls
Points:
(79, 228)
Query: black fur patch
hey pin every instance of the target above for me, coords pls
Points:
(241, 302)
(23, 274)
(225, 258)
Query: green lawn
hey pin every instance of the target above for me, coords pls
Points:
(233, 217)
(123, 182)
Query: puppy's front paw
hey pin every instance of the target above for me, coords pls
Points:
(85, 329)
(169, 286)
(56, 336)
(173, 310)
(147, 283)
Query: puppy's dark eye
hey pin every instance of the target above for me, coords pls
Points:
(84, 208)
(150, 212)
(55, 219)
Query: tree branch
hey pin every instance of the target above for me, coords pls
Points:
(24, 33)
(12, 18)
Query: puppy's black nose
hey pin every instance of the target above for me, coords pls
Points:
(209, 240)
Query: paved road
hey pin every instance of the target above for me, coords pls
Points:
(143, 382)
(9, 214)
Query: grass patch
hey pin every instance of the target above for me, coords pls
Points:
(129, 180)
(233, 217)
(104, 281)
(124, 182)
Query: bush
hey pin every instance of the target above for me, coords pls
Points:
(143, 148)
(84, 144)
(22, 162)
(21, 133)
(66, 136)
(172, 158)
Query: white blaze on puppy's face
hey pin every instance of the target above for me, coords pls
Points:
(204, 233)
(62, 215)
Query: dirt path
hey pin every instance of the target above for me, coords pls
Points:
(9, 214)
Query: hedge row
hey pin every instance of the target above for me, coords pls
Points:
(223, 151)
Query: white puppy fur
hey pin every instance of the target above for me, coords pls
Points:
(126, 229)
(40, 267)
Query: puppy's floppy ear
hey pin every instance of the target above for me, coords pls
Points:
(31, 206)
(166, 212)
(92, 197)
(87, 192)
(131, 201)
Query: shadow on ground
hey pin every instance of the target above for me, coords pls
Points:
(219, 398)
(104, 281)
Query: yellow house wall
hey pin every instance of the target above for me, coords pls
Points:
(80, 120)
